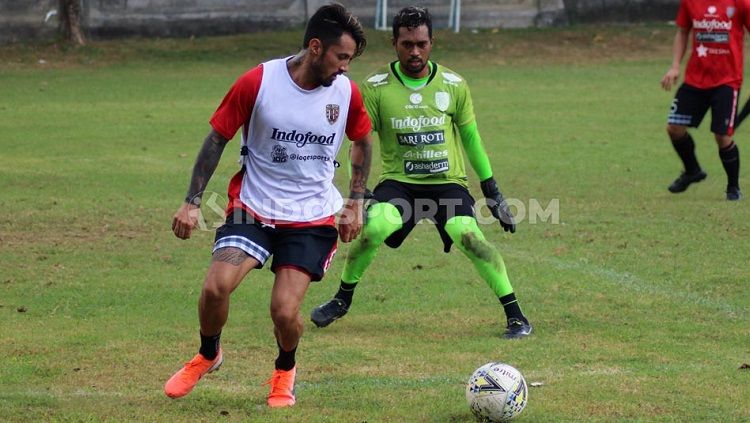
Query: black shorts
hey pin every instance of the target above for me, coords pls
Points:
(309, 249)
(435, 202)
(690, 105)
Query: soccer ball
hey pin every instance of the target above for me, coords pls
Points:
(496, 392)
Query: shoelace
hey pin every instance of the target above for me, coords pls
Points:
(278, 383)
(196, 362)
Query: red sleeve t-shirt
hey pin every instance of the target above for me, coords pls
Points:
(237, 106)
(717, 33)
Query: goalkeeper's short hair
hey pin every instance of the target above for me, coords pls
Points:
(412, 17)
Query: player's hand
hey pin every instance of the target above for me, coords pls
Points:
(670, 78)
(185, 220)
(498, 206)
(351, 220)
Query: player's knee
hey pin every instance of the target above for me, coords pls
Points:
(284, 315)
(459, 227)
(465, 233)
(723, 141)
(676, 132)
(216, 290)
(383, 219)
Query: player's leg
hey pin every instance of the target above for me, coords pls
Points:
(229, 265)
(688, 108)
(724, 108)
(288, 292)
(389, 220)
(239, 247)
(383, 219)
(465, 234)
(301, 256)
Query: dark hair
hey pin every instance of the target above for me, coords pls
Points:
(330, 22)
(412, 17)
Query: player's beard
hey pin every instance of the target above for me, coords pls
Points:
(414, 67)
(324, 80)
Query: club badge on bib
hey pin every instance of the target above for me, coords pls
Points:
(332, 113)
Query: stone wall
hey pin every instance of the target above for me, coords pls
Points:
(25, 19)
(620, 10)
(35, 19)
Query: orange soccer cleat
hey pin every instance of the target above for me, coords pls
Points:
(282, 388)
(182, 382)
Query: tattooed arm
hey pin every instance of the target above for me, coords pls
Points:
(186, 218)
(352, 216)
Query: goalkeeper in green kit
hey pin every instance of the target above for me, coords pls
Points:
(424, 116)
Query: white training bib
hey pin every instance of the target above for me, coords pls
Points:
(292, 140)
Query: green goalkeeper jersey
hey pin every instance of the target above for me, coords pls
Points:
(418, 128)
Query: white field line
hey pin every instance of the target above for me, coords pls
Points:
(632, 282)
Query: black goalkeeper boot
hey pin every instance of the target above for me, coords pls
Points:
(324, 314)
(517, 328)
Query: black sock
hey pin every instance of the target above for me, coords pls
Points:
(286, 361)
(512, 309)
(685, 148)
(346, 292)
(210, 346)
(730, 158)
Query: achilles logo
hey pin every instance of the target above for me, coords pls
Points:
(426, 154)
(378, 78)
(417, 123)
(301, 139)
(713, 24)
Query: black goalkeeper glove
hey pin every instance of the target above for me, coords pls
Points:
(497, 205)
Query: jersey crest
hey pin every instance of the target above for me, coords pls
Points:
(332, 113)
(442, 100)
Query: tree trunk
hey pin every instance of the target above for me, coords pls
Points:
(70, 22)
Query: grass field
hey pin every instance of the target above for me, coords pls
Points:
(639, 298)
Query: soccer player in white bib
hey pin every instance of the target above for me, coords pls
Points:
(424, 116)
(293, 114)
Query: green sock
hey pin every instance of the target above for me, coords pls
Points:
(383, 219)
(484, 256)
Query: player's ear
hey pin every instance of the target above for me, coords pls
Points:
(315, 46)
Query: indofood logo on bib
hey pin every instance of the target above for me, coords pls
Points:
(442, 100)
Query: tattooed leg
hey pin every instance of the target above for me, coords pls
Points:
(228, 267)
